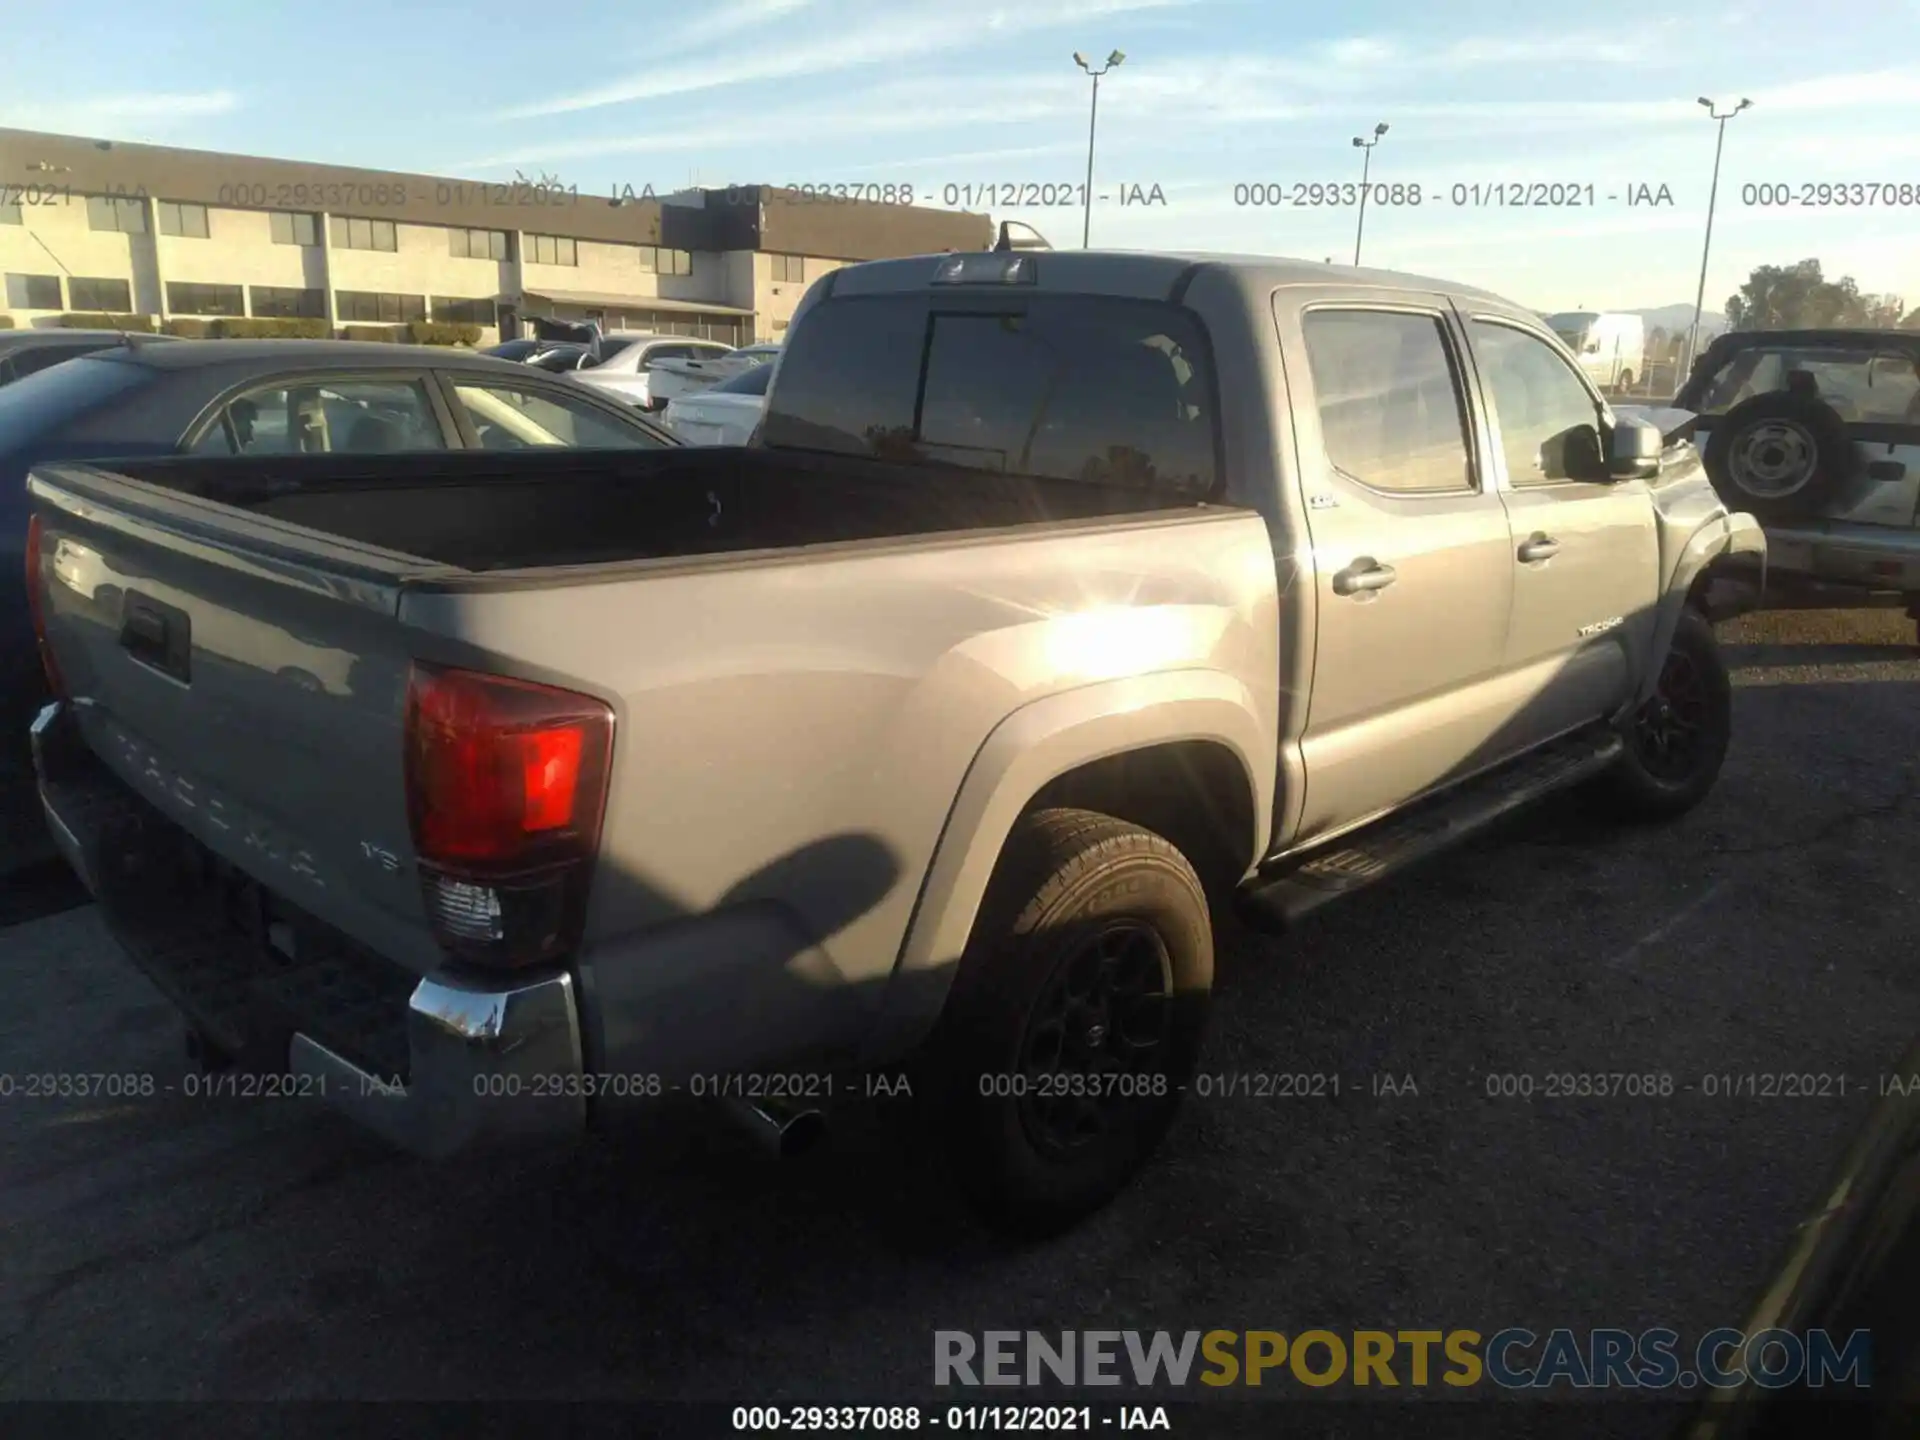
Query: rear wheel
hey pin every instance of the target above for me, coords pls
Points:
(1676, 741)
(1075, 1021)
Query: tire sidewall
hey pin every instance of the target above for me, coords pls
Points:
(1005, 975)
(1655, 794)
(1833, 452)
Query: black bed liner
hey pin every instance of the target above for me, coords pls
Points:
(488, 511)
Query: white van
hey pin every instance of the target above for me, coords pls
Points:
(1611, 347)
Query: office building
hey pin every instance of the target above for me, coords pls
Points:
(102, 226)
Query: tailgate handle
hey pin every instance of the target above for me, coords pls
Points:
(157, 635)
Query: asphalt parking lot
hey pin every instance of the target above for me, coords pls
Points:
(176, 1248)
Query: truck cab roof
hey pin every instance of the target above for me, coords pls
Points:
(1148, 275)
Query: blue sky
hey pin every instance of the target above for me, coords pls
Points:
(1213, 93)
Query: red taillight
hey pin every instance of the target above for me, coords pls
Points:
(37, 607)
(506, 785)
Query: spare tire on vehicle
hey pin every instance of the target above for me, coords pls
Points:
(1780, 455)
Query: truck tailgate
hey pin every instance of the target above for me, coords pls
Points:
(248, 679)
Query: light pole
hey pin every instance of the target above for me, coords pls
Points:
(1366, 169)
(1713, 194)
(1093, 116)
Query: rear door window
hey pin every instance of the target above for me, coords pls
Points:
(339, 417)
(1097, 389)
(1388, 396)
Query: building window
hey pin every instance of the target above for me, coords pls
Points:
(275, 302)
(189, 299)
(10, 213)
(553, 250)
(117, 212)
(292, 228)
(33, 292)
(477, 244)
(115, 297)
(179, 218)
(791, 269)
(353, 234)
(676, 262)
(463, 312)
(367, 307)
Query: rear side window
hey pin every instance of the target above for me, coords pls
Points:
(47, 401)
(45, 357)
(748, 382)
(1863, 384)
(1072, 387)
(1391, 413)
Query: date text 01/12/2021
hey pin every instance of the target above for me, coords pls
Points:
(974, 194)
(1463, 195)
(192, 1085)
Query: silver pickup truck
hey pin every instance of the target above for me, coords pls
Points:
(1060, 597)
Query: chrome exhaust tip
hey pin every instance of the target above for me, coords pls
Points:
(782, 1132)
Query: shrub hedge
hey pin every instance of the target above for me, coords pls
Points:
(235, 327)
(442, 332)
(93, 320)
(6, 322)
(273, 328)
(386, 333)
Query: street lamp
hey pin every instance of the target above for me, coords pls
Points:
(1713, 194)
(1366, 169)
(1093, 115)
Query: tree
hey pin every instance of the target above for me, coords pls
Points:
(1882, 312)
(1800, 297)
(1912, 322)
(1657, 340)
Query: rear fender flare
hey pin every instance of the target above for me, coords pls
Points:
(1032, 746)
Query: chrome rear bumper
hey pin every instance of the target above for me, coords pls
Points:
(471, 1063)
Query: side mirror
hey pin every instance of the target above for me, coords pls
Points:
(1634, 447)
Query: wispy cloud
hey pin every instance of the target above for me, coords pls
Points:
(723, 23)
(903, 32)
(1891, 87)
(970, 157)
(120, 113)
(898, 107)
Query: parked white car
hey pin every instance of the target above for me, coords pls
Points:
(627, 358)
(672, 379)
(722, 414)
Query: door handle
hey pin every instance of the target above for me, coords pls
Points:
(1363, 575)
(1540, 547)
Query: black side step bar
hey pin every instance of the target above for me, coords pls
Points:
(1360, 860)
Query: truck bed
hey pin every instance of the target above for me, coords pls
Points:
(488, 511)
(802, 656)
